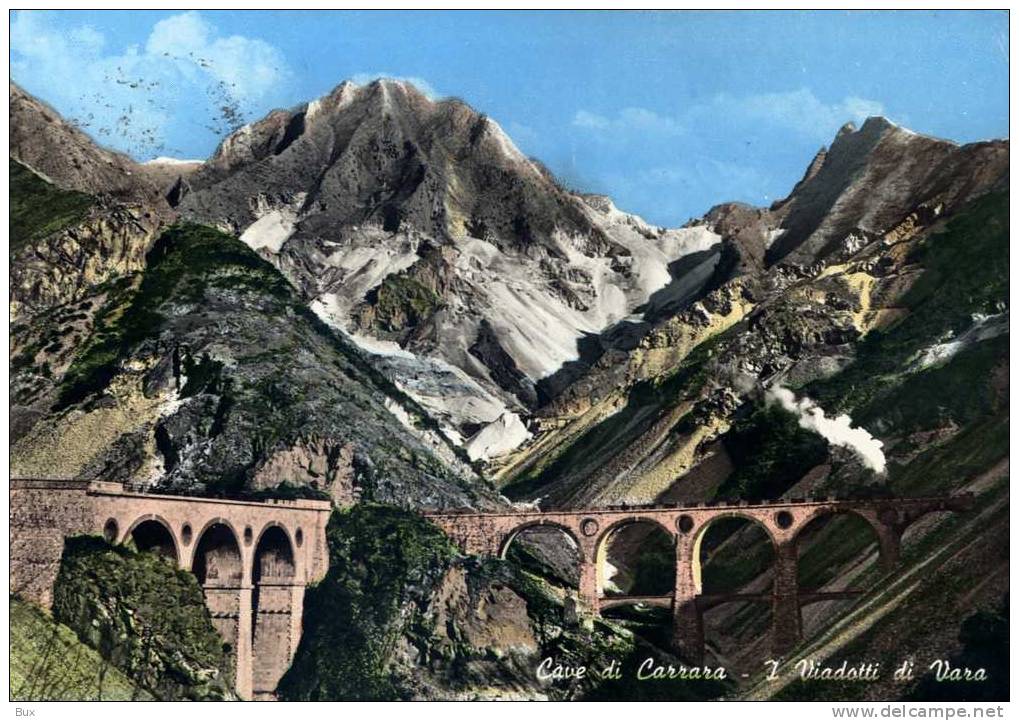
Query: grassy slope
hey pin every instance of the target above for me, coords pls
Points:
(183, 262)
(965, 272)
(49, 663)
(38, 208)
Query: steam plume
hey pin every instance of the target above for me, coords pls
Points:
(837, 430)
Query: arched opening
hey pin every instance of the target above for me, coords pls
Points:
(274, 558)
(836, 553)
(218, 557)
(153, 536)
(545, 550)
(637, 560)
(111, 530)
(272, 603)
(735, 560)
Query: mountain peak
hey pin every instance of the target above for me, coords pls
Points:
(872, 177)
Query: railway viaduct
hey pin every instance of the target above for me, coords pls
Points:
(252, 559)
(783, 521)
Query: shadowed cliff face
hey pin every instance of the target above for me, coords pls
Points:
(872, 178)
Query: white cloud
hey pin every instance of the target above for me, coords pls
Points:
(132, 98)
(797, 110)
(584, 119)
(249, 67)
(179, 35)
(421, 84)
(630, 119)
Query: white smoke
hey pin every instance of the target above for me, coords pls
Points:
(838, 430)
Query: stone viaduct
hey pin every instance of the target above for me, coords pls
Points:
(252, 559)
(492, 534)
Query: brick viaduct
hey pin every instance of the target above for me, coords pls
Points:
(492, 534)
(254, 559)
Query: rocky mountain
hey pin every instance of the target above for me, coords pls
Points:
(61, 153)
(172, 356)
(800, 285)
(417, 228)
(853, 340)
(80, 214)
(376, 296)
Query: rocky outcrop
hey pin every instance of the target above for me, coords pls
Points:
(144, 616)
(314, 463)
(110, 242)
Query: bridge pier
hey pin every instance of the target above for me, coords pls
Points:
(230, 609)
(786, 620)
(891, 548)
(276, 619)
(589, 589)
(687, 621)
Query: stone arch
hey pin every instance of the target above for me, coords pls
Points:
(218, 560)
(836, 549)
(612, 531)
(153, 533)
(628, 521)
(551, 525)
(549, 563)
(274, 556)
(807, 576)
(734, 563)
(275, 590)
(701, 531)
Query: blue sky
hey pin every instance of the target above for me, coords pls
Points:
(667, 112)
